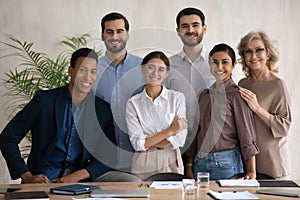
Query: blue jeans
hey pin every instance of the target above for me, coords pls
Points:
(220, 165)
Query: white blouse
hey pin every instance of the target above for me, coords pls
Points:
(146, 117)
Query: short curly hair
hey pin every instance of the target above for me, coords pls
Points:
(269, 45)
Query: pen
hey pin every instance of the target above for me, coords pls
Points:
(232, 191)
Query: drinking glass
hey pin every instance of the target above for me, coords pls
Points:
(203, 179)
(188, 186)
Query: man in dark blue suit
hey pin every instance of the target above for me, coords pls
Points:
(72, 131)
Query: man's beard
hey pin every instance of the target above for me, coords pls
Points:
(115, 48)
(187, 41)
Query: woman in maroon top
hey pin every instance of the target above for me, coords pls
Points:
(226, 128)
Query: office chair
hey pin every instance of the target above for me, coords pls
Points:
(259, 176)
(263, 176)
(169, 176)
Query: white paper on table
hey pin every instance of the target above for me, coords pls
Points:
(239, 183)
(232, 195)
(90, 198)
(166, 185)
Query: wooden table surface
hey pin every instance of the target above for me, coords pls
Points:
(155, 194)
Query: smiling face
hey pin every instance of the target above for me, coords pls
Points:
(191, 30)
(256, 56)
(154, 71)
(221, 66)
(115, 36)
(83, 75)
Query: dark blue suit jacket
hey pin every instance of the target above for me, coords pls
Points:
(43, 115)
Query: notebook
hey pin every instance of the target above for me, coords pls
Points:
(120, 193)
(280, 192)
(74, 189)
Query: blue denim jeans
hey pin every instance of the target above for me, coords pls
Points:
(220, 165)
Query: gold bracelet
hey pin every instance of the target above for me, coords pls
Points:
(189, 165)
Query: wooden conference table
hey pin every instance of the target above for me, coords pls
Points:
(155, 194)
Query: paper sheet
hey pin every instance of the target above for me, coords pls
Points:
(232, 195)
(166, 185)
(98, 199)
(239, 183)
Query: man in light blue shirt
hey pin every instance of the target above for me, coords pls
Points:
(119, 78)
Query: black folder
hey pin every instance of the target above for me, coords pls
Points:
(73, 189)
(277, 183)
(42, 195)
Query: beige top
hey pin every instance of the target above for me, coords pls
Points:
(273, 96)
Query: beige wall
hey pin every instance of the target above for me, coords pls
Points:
(153, 27)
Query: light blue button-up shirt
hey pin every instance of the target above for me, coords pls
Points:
(115, 85)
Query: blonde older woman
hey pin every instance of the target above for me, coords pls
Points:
(268, 98)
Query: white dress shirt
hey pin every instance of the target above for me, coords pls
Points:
(146, 117)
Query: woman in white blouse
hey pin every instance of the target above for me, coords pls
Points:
(156, 121)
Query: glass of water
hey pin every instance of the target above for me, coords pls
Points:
(203, 179)
(188, 186)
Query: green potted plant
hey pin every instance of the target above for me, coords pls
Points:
(35, 71)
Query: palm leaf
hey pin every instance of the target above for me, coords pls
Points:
(76, 42)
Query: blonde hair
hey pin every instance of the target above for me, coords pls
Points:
(269, 45)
